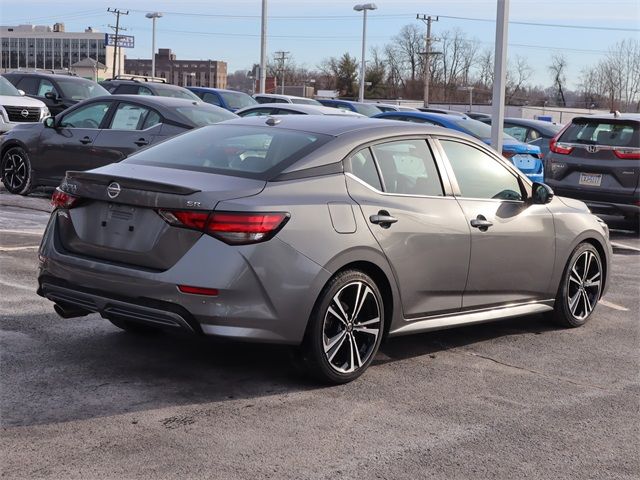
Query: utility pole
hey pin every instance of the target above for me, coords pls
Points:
(263, 48)
(282, 58)
(117, 12)
(427, 54)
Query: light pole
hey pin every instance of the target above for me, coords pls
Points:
(470, 90)
(263, 48)
(499, 74)
(153, 16)
(363, 7)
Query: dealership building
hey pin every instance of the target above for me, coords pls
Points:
(52, 48)
(186, 73)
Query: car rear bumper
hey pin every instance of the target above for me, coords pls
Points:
(265, 292)
(598, 202)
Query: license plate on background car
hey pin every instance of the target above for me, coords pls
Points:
(591, 179)
(524, 162)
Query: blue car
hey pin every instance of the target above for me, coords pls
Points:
(229, 99)
(524, 156)
(366, 109)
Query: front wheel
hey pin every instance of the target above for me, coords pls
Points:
(581, 287)
(345, 329)
(15, 171)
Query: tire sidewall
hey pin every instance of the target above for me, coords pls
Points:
(562, 299)
(26, 187)
(314, 340)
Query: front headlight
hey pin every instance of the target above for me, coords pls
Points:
(44, 113)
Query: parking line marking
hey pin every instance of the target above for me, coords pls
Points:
(23, 232)
(614, 306)
(622, 245)
(15, 249)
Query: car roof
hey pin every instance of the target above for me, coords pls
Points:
(54, 76)
(442, 117)
(300, 107)
(279, 95)
(610, 116)
(151, 100)
(211, 89)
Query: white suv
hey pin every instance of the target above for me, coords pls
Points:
(17, 109)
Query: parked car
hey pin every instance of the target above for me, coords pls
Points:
(526, 157)
(16, 108)
(58, 92)
(95, 132)
(331, 233)
(596, 159)
(533, 132)
(388, 107)
(442, 111)
(276, 98)
(228, 99)
(367, 109)
(140, 85)
(292, 109)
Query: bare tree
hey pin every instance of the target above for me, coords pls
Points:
(409, 43)
(518, 73)
(558, 71)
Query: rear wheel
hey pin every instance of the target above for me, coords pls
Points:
(133, 327)
(580, 288)
(345, 328)
(15, 171)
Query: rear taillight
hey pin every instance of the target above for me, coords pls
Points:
(211, 292)
(508, 155)
(627, 153)
(561, 148)
(61, 199)
(233, 228)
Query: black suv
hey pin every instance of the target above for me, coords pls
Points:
(596, 159)
(57, 91)
(139, 85)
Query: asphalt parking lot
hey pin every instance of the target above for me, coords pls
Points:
(79, 399)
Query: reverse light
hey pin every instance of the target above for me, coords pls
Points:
(61, 199)
(627, 153)
(233, 228)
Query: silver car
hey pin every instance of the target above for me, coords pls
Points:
(327, 233)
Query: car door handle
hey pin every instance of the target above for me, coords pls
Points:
(383, 219)
(141, 141)
(481, 223)
(85, 140)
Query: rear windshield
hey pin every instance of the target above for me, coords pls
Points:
(368, 110)
(238, 150)
(237, 99)
(615, 133)
(177, 93)
(202, 116)
(305, 101)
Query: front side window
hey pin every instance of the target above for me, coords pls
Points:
(365, 109)
(201, 115)
(407, 167)
(516, 131)
(479, 175)
(257, 112)
(45, 87)
(29, 85)
(129, 117)
(211, 98)
(88, 116)
(237, 100)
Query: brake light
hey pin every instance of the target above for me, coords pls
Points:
(558, 147)
(627, 153)
(233, 228)
(61, 199)
(508, 155)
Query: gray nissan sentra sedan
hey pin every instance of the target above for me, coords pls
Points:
(327, 233)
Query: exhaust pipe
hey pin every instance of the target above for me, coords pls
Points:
(70, 312)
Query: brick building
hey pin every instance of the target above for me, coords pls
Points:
(186, 73)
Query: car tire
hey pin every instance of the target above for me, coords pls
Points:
(133, 327)
(15, 171)
(580, 288)
(345, 328)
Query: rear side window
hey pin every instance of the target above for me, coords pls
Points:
(127, 90)
(238, 150)
(201, 116)
(211, 98)
(615, 133)
(29, 85)
(129, 117)
(363, 167)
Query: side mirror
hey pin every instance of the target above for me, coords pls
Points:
(51, 96)
(541, 193)
(50, 122)
(21, 92)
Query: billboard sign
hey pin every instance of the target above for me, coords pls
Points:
(124, 41)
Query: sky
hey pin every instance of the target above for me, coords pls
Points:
(311, 31)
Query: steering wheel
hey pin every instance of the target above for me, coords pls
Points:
(507, 195)
(89, 123)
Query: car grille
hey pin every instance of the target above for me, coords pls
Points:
(22, 114)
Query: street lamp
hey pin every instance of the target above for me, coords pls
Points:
(363, 7)
(153, 16)
(470, 90)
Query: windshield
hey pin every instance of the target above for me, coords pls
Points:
(305, 101)
(238, 150)
(237, 100)
(6, 88)
(202, 115)
(79, 89)
(177, 93)
(368, 110)
(477, 129)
